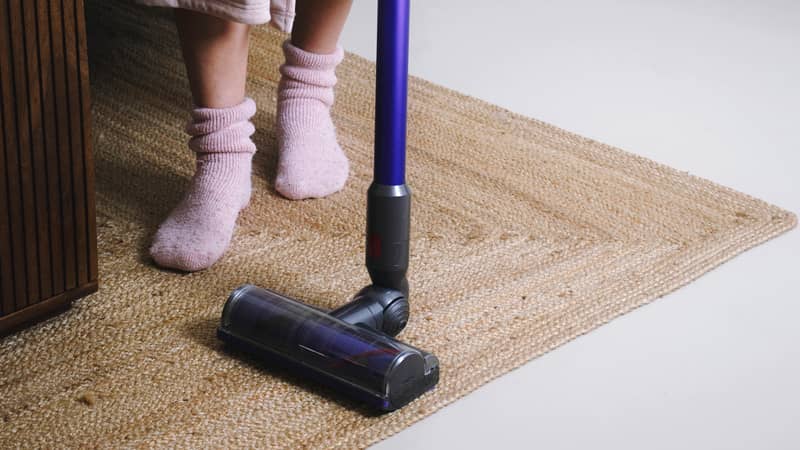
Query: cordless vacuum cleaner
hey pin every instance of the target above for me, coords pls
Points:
(352, 348)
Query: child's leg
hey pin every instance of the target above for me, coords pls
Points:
(319, 23)
(215, 53)
(199, 229)
(311, 163)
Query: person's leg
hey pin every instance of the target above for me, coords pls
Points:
(199, 229)
(311, 163)
(215, 53)
(318, 24)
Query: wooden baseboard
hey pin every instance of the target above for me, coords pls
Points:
(44, 309)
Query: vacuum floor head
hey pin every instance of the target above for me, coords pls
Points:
(351, 348)
(363, 363)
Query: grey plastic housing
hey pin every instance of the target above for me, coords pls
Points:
(376, 307)
(388, 229)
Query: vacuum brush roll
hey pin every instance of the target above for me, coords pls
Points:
(369, 365)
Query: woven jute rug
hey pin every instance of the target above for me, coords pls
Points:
(524, 237)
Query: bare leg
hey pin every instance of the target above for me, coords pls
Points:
(198, 230)
(215, 53)
(319, 23)
(311, 163)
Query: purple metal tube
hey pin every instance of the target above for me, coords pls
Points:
(390, 92)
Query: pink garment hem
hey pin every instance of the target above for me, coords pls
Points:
(279, 13)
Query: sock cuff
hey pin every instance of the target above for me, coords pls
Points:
(210, 120)
(233, 139)
(296, 56)
(307, 75)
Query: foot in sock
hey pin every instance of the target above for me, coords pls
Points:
(311, 164)
(197, 232)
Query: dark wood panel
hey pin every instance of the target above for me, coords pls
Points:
(86, 120)
(6, 275)
(62, 132)
(24, 143)
(15, 237)
(48, 253)
(76, 131)
(51, 144)
(38, 174)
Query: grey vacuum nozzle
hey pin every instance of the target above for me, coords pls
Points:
(353, 358)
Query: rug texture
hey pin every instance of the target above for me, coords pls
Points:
(524, 236)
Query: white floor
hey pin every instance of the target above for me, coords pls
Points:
(709, 87)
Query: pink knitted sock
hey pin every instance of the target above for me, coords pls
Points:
(199, 229)
(311, 163)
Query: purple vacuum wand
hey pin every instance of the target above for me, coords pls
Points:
(352, 348)
(391, 93)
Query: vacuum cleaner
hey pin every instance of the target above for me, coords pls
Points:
(352, 348)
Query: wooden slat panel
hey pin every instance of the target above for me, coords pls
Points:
(6, 275)
(25, 143)
(16, 236)
(86, 120)
(39, 180)
(76, 149)
(63, 133)
(48, 253)
(51, 145)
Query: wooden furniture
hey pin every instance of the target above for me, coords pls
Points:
(48, 248)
